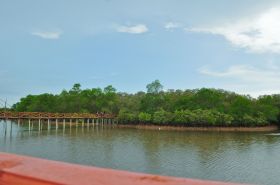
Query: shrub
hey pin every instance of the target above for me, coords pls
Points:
(162, 117)
(144, 117)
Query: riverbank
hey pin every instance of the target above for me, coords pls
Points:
(220, 129)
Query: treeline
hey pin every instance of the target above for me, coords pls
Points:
(198, 107)
(196, 117)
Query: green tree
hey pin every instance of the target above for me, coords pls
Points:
(162, 117)
(144, 117)
(197, 107)
(154, 87)
(76, 88)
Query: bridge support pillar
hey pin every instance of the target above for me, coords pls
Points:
(29, 124)
(70, 124)
(49, 125)
(42, 124)
(63, 124)
(77, 123)
(83, 123)
(39, 125)
(56, 124)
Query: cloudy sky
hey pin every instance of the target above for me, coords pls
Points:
(48, 45)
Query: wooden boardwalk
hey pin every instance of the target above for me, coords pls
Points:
(48, 115)
(46, 118)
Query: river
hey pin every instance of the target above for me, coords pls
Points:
(224, 156)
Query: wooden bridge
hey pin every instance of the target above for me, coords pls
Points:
(48, 115)
(46, 118)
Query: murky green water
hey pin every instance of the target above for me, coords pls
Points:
(224, 156)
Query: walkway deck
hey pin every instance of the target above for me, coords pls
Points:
(48, 115)
(45, 118)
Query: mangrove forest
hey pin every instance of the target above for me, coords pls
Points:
(197, 107)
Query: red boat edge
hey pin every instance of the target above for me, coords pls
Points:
(24, 170)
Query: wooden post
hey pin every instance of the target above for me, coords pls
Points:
(49, 125)
(39, 124)
(63, 124)
(42, 124)
(29, 124)
(5, 127)
(83, 123)
(70, 124)
(56, 124)
(76, 123)
(11, 130)
(18, 122)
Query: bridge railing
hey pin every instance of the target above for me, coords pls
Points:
(48, 115)
(15, 169)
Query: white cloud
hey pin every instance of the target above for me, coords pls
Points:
(259, 34)
(172, 25)
(48, 35)
(136, 29)
(247, 79)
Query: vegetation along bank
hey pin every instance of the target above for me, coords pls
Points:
(203, 107)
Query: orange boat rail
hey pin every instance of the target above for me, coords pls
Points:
(23, 170)
(48, 115)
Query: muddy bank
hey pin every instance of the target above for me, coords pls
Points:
(229, 129)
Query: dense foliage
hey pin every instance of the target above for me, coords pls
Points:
(198, 107)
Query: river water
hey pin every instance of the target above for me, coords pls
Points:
(223, 156)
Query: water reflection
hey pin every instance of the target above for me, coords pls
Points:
(226, 156)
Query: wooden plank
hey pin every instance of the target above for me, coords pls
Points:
(46, 115)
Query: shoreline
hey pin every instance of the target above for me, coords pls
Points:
(220, 129)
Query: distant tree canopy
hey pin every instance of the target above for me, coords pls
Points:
(154, 87)
(198, 107)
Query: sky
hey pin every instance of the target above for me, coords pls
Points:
(48, 45)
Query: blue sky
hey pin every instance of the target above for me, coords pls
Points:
(47, 46)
